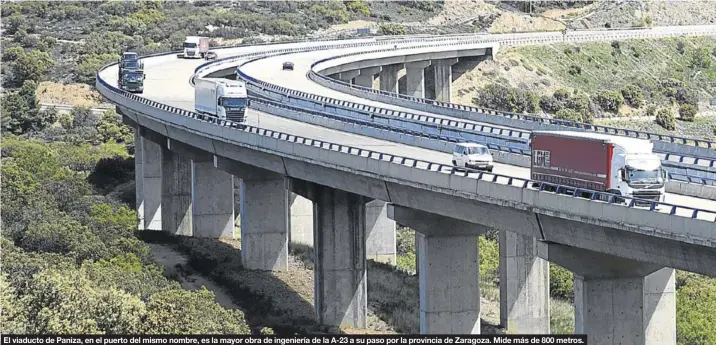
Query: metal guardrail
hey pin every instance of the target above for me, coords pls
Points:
(122, 97)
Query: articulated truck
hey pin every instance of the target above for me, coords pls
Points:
(221, 98)
(194, 47)
(600, 162)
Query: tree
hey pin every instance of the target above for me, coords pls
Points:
(110, 128)
(687, 112)
(666, 119)
(14, 23)
(701, 59)
(32, 66)
(609, 100)
(695, 303)
(633, 95)
(13, 319)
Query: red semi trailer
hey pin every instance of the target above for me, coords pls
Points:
(597, 162)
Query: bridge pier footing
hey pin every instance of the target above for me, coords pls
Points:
(524, 285)
(176, 176)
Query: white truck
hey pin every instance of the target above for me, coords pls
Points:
(221, 98)
(194, 47)
(601, 162)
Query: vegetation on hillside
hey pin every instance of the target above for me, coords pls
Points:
(604, 80)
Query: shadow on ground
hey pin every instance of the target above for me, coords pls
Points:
(256, 292)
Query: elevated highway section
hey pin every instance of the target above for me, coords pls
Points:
(620, 253)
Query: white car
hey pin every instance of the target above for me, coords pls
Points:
(472, 155)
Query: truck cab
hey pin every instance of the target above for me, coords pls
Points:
(641, 176)
(472, 155)
(221, 98)
(132, 80)
(195, 47)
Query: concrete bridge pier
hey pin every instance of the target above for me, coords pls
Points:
(176, 193)
(415, 75)
(301, 221)
(138, 177)
(443, 78)
(389, 77)
(213, 200)
(264, 206)
(339, 238)
(380, 231)
(367, 76)
(348, 76)
(149, 183)
(620, 301)
(449, 271)
(524, 285)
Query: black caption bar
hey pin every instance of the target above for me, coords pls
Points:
(270, 339)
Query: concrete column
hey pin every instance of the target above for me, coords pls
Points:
(381, 243)
(264, 224)
(449, 276)
(264, 208)
(138, 178)
(301, 221)
(443, 78)
(213, 201)
(660, 306)
(524, 285)
(367, 76)
(176, 193)
(151, 184)
(389, 77)
(619, 301)
(339, 247)
(415, 75)
(348, 76)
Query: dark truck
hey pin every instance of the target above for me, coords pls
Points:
(131, 76)
(598, 162)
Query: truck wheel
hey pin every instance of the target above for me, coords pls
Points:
(454, 163)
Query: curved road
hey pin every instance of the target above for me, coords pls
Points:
(168, 82)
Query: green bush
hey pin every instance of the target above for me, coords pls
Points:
(695, 305)
(633, 95)
(568, 115)
(561, 282)
(359, 7)
(665, 118)
(609, 100)
(651, 110)
(392, 29)
(687, 112)
(498, 97)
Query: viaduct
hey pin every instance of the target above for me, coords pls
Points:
(357, 138)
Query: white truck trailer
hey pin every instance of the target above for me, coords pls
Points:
(221, 98)
(194, 47)
(601, 162)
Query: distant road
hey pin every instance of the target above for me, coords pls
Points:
(68, 108)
